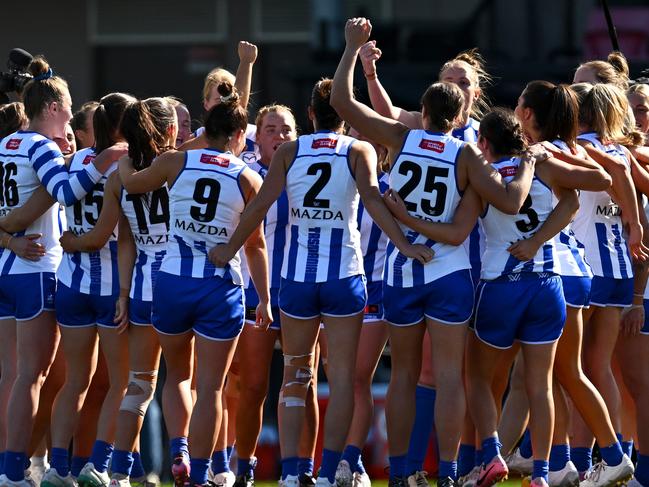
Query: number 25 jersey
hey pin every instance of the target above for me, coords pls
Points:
(424, 175)
(205, 204)
(324, 243)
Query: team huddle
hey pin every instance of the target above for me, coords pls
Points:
(500, 253)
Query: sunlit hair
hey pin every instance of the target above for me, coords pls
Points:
(38, 93)
(615, 70)
(215, 78)
(443, 103)
(478, 74)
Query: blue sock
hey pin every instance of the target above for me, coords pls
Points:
(77, 464)
(541, 469)
(220, 462)
(490, 449)
(465, 459)
(289, 467)
(100, 457)
(198, 470)
(229, 449)
(330, 460)
(352, 455)
(447, 469)
(2, 463)
(15, 465)
(305, 466)
(246, 466)
(479, 457)
(137, 470)
(612, 454)
(642, 469)
(421, 429)
(559, 456)
(582, 457)
(178, 446)
(627, 448)
(122, 462)
(59, 461)
(525, 447)
(398, 466)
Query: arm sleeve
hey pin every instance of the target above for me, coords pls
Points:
(52, 172)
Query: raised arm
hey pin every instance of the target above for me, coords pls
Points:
(256, 210)
(363, 161)
(247, 57)
(452, 233)
(96, 238)
(22, 216)
(379, 98)
(380, 129)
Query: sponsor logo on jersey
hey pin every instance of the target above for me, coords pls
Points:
(88, 159)
(324, 144)
(202, 228)
(315, 214)
(508, 171)
(13, 144)
(608, 210)
(215, 160)
(151, 239)
(434, 145)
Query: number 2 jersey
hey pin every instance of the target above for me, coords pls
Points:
(502, 230)
(205, 204)
(148, 218)
(27, 160)
(94, 272)
(424, 174)
(598, 224)
(323, 237)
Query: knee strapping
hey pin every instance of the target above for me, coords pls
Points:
(141, 387)
(298, 373)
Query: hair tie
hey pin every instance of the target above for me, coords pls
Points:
(227, 98)
(46, 75)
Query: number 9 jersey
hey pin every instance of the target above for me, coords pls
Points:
(424, 175)
(92, 273)
(324, 241)
(205, 202)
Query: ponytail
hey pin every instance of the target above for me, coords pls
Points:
(556, 110)
(228, 116)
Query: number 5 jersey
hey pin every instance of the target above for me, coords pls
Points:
(95, 272)
(424, 175)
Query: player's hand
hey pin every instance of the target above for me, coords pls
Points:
(632, 320)
(419, 252)
(369, 54)
(107, 157)
(121, 314)
(537, 153)
(396, 205)
(221, 255)
(357, 32)
(26, 247)
(68, 240)
(247, 52)
(634, 239)
(263, 316)
(524, 250)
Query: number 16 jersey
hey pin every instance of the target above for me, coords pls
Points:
(324, 243)
(424, 175)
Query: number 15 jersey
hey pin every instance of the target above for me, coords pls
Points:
(324, 241)
(424, 175)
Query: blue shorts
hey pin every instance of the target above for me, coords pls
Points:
(448, 300)
(306, 300)
(373, 312)
(139, 312)
(607, 291)
(576, 290)
(210, 307)
(25, 296)
(76, 309)
(530, 309)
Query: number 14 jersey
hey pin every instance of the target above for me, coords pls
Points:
(324, 243)
(424, 175)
